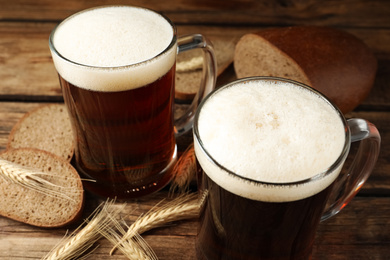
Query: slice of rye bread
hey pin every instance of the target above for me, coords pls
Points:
(40, 209)
(46, 128)
(189, 67)
(332, 61)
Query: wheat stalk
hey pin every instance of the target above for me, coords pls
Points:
(134, 248)
(184, 207)
(31, 178)
(84, 237)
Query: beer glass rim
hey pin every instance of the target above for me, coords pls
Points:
(170, 46)
(340, 159)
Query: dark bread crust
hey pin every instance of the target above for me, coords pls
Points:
(335, 62)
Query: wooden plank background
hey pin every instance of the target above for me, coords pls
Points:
(28, 79)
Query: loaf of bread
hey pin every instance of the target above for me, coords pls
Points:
(189, 67)
(43, 209)
(332, 61)
(46, 128)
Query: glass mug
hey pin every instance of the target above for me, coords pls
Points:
(116, 66)
(271, 152)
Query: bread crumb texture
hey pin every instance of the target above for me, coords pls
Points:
(40, 209)
(255, 56)
(190, 63)
(47, 128)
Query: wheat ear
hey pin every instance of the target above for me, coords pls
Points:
(184, 207)
(31, 178)
(134, 248)
(74, 246)
(184, 171)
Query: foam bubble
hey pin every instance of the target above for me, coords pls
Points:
(114, 36)
(270, 132)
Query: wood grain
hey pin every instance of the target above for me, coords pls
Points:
(365, 219)
(28, 79)
(358, 13)
(27, 71)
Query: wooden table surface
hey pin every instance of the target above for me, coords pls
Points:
(28, 79)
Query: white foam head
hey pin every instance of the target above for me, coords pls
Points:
(272, 132)
(113, 48)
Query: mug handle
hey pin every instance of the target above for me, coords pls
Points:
(349, 184)
(190, 42)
